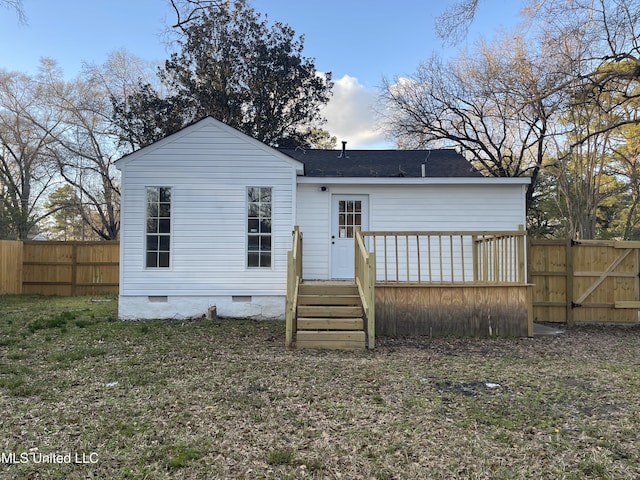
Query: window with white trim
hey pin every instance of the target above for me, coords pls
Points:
(259, 227)
(158, 231)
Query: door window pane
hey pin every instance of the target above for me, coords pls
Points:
(348, 219)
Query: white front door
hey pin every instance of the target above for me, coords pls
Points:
(347, 213)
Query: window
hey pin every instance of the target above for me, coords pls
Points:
(158, 227)
(349, 217)
(259, 227)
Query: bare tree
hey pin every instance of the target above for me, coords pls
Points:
(608, 62)
(16, 6)
(85, 147)
(120, 78)
(452, 26)
(495, 105)
(602, 99)
(58, 131)
(624, 166)
(609, 32)
(188, 11)
(582, 172)
(25, 175)
(558, 103)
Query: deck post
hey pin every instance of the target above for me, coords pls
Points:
(529, 305)
(521, 254)
(474, 256)
(365, 279)
(294, 274)
(371, 317)
(289, 310)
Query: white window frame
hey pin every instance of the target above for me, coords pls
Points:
(254, 229)
(163, 239)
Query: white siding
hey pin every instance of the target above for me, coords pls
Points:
(433, 207)
(209, 168)
(313, 212)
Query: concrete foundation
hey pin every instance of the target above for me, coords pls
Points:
(183, 307)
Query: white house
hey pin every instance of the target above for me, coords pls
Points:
(207, 215)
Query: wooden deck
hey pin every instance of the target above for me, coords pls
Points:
(427, 283)
(463, 309)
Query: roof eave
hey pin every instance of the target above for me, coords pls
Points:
(416, 180)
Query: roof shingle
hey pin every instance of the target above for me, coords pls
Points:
(382, 163)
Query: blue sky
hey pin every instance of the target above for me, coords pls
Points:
(359, 41)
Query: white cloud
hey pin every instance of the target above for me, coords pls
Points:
(351, 115)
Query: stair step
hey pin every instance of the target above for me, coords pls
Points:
(329, 311)
(330, 324)
(329, 300)
(327, 289)
(343, 340)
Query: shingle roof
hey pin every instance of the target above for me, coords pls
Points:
(382, 163)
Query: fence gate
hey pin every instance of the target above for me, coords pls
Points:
(605, 284)
(585, 281)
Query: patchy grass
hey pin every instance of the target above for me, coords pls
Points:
(225, 399)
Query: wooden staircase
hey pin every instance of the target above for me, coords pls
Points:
(330, 315)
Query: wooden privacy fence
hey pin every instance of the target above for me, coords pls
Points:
(585, 281)
(60, 268)
(572, 281)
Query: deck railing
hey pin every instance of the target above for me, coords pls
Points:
(294, 276)
(500, 257)
(448, 257)
(365, 278)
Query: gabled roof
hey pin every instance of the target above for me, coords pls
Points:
(204, 123)
(382, 163)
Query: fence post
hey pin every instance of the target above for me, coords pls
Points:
(74, 268)
(20, 274)
(569, 284)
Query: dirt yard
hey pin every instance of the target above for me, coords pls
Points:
(86, 396)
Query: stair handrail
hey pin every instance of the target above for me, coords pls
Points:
(294, 276)
(365, 278)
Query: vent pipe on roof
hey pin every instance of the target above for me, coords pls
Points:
(424, 165)
(343, 154)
